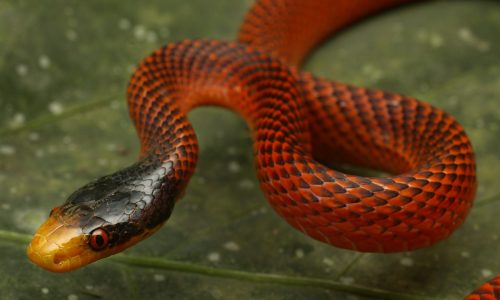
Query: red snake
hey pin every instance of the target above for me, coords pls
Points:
(298, 121)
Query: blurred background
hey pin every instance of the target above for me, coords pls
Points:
(64, 68)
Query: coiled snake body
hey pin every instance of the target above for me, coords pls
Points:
(296, 120)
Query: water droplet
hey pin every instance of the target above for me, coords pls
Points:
(21, 70)
(486, 273)
(33, 136)
(159, 277)
(436, 40)
(232, 150)
(116, 105)
(72, 297)
(71, 35)
(406, 261)
(299, 253)
(213, 256)
(373, 72)
(17, 120)
(246, 184)
(45, 290)
(56, 108)
(234, 167)
(44, 62)
(139, 32)
(232, 246)
(124, 24)
(483, 46)
(465, 34)
(39, 153)
(346, 280)
(327, 261)
(469, 38)
(67, 139)
(7, 150)
(465, 254)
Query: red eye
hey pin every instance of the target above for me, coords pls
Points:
(98, 239)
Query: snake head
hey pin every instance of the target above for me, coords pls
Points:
(102, 218)
(59, 245)
(74, 236)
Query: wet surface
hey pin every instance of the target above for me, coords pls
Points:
(63, 122)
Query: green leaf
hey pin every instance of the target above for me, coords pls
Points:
(63, 121)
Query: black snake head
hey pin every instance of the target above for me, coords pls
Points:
(106, 216)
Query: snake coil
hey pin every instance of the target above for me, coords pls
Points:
(297, 121)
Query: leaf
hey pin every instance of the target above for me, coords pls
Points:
(63, 121)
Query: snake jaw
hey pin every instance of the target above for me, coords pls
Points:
(59, 247)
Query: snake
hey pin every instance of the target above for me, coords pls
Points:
(301, 125)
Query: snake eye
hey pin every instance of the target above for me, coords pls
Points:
(98, 239)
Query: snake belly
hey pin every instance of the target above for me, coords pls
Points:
(298, 121)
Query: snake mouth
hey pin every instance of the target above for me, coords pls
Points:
(59, 247)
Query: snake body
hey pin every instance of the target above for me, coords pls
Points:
(297, 120)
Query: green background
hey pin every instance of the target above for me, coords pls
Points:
(64, 66)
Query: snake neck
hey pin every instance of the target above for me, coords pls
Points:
(141, 196)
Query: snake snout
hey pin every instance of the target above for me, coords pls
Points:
(57, 246)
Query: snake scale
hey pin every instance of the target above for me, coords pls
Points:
(297, 120)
